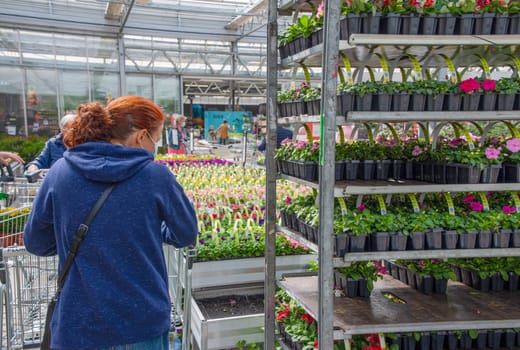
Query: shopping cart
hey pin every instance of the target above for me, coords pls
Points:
(28, 283)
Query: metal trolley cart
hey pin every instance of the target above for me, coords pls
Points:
(28, 283)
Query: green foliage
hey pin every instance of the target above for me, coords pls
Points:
(27, 147)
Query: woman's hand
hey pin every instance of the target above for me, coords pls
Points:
(6, 156)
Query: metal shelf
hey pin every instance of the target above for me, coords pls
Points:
(297, 237)
(362, 50)
(303, 119)
(359, 187)
(390, 117)
(461, 308)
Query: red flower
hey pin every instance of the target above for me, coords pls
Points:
(307, 317)
(283, 313)
(489, 85)
(315, 345)
(469, 85)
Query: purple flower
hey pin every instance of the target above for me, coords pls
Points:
(476, 206)
(492, 153)
(201, 241)
(416, 151)
(508, 210)
(513, 145)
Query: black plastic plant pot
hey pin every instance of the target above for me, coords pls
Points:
(351, 169)
(351, 288)
(339, 280)
(514, 24)
(452, 174)
(428, 25)
(410, 278)
(467, 240)
(484, 239)
(418, 102)
(484, 24)
(372, 24)
(512, 283)
(417, 170)
(434, 102)
(433, 239)
(497, 282)
(427, 172)
(494, 338)
(410, 24)
(452, 341)
(383, 102)
(465, 341)
(465, 276)
(425, 284)
(364, 102)
(347, 103)
(439, 173)
(339, 170)
(501, 239)
(500, 24)
(452, 102)
(416, 241)
(403, 274)
(409, 342)
(456, 271)
(505, 102)
(424, 342)
(400, 102)
(509, 339)
(515, 239)
(470, 102)
(391, 23)
(363, 288)
(440, 286)
(468, 174)
(481, 341)
(446, 24)
(409, 170)
(357, 243)
(317, 37)
(437, 340)
(379, 241)
(351, 24)
(479, 283)
(511, 172)
(450, 239)
(341, 244)
(490, 174)
(488, 102)
(367, 170)
(398, 241)
(465, 24)
(398, 169)
(383, 169)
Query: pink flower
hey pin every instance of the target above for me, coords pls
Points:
(476, 206)
(489, 85)
(492, 153)
(361, 207)
(315, 145)
(513, 145)
(301, 144)
(286, 141)
(508, 210)
(469, 198)
(469, 85)
(416, 151)
(321, 10)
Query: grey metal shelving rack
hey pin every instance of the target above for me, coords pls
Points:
(316, 293)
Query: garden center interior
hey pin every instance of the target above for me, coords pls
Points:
(391, 218)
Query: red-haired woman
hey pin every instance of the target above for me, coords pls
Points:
(116, 292)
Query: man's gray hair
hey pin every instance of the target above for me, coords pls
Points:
(67, 118)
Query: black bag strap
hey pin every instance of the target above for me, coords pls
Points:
(80, 235)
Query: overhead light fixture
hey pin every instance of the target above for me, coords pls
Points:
(114, 9)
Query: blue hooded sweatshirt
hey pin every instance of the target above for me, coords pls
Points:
(116, 291)
(52, 151)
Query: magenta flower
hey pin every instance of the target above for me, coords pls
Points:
(288, 200)
(513, 145)
(489, 85)
(508, 210)
(301, 144)
(416, 151)
(361, 207)
(476, 206)
(492, 153)
(469, 198)
(469, 85)
(315, 145)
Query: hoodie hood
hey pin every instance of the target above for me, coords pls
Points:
(106, 162)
